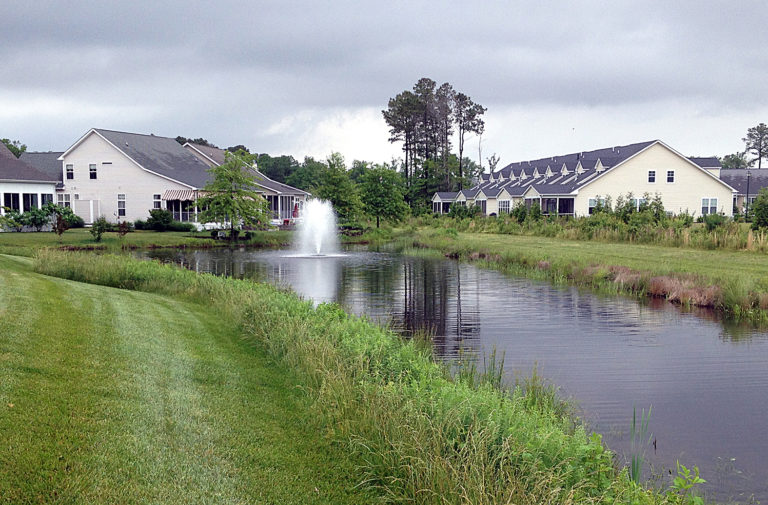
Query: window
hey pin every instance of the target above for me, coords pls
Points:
(651, 175)
(92, 170)
(593, 203)
(46, 199)
(63, 200)
(503, 206)
(708, 206)
(121, 205)
(11, 201)
(156, 201)
(70, 172)
(670, 176)
(641, 203)
(30, 201)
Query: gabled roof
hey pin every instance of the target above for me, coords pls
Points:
(160, 155)
(47, 163)
(446, 195)
(594, 164)
(213, 154)
(218, 156)
(737, 179)
(14, 169)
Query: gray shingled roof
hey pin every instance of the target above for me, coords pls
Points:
(214, 153)
(161, 155)
(558, 184)
(708, 162)
(219, 156)
(737, 179)
(447, 195)
(47, 163)
(14, 169)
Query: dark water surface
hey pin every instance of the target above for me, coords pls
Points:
(707, 381)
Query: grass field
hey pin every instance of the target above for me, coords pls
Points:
(25, 244)
(115, 396)
(732, 281)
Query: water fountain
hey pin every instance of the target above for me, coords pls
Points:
(317, 232)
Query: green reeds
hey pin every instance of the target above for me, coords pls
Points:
(638, 442)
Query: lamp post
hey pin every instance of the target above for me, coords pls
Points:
(746, 214)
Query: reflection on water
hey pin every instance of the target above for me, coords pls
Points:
(707, 381)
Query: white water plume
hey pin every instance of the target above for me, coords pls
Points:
(317, 231)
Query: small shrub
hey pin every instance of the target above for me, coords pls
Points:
(714, 221)
(11, 221)
(140, 225)
(179, 226)
(759, 210)
(159, 219)
(99, 227)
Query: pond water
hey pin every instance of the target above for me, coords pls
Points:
(706, 381)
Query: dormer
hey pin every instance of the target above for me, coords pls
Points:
(523, 175)
(564, 170)
(536, 173)
(579, 168)
(548, 173)
(599, 166)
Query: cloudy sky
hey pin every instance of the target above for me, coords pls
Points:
(311, 77)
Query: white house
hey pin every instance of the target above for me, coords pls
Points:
(22, 186)
(121, 176)
(572, 184)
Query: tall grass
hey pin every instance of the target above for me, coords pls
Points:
(417, 434)
(637, 436)
(735, 292)
(608, 228)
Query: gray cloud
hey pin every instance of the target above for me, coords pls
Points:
(234, 69)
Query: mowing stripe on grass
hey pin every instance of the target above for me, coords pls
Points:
(113, 396)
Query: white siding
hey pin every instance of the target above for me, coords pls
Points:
(37, 188)
(122, 176)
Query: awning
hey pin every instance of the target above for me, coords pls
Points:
(179, 194)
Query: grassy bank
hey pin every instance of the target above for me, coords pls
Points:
(113, 396)
(416, 434)
(25, 244)
(734, 282)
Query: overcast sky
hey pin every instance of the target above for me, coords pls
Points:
(311, 77)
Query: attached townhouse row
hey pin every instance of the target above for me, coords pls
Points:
(122, 176)
(571, 185)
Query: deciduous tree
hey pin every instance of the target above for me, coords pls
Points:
(336, 187)
(735, 160)
(230, 195)
(16, 147)
(382, 193)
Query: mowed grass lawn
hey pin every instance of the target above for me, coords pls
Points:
(720, 265)
(25, 244)
(114, 396)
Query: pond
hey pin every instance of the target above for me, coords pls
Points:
(707, 382)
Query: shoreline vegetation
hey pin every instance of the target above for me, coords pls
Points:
(732, 282)
(414, 432)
